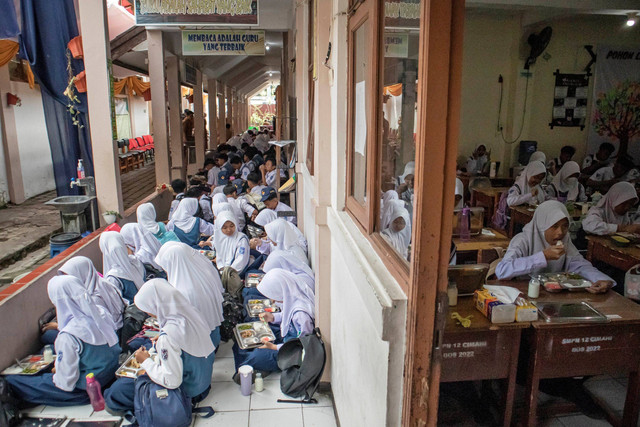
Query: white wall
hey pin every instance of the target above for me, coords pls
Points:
(4, 185)
(33, 141)
(139, 111)
(493, 45)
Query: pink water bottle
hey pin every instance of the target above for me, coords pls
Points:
(95, 393)
(465, 224)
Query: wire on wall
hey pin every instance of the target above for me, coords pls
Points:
(524, 110)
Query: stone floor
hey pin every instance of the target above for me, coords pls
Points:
(138, 184)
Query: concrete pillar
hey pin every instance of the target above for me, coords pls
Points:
(157, 76)
(212, 87)
(222, 116)
(97, 53)
(178, 165)
(198, 109)
(230, 111)
(236, 114)
(10, 141)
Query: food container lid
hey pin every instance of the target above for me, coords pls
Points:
(245, 370)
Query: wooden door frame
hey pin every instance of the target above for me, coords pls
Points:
(439, 93)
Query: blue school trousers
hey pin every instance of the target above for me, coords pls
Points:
(101, 360)
(261, 359)
(49, 337)
(192, 237)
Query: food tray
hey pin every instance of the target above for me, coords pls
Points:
(570, 281)
(152, 322)
(128, 368)
(253, 280)
(257, 306)
(43, 421)
(633, 237)
(209, 254)
(30, 365)
(253, 334)
(565, 312)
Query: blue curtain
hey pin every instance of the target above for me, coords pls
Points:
(8, 20)
(47, 27)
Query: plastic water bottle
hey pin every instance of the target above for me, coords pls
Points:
(259, 382)
(465, 218)
(246, 378)
(48, 354)
(80, 169)
(95, 393)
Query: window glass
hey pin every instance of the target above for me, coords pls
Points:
(360, 75)
(399, 126)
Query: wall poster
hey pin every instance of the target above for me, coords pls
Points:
(570, 100)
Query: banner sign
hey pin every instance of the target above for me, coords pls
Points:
(196, 12)
(570, 100)
(402, 14)
(396, 45)
(615, 115)
(223, 42)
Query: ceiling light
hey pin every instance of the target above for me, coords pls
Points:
(267, 47)
(632, 18)
(270, 74)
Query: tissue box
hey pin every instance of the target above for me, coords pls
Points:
(526, 313)
(494, 310)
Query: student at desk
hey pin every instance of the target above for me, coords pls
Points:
(527, 186)
(544, 246)
(565, 186)
(611, 214)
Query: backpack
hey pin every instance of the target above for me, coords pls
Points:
(156, 406)
(232, 315)
(132, 322)
(231, 282)
(302, 362)
(9, 413)
(501, 218)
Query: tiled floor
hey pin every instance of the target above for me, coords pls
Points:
(232, 408)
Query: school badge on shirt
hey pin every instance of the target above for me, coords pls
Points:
(59, 356)
(164, 354)
(241, 251)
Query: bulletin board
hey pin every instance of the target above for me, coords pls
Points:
(570, 100)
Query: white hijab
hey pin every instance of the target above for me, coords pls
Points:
(399, 239)
(218, 208)
(560, 180)
(617, 194)
(280, 259)
(102, 292)
(459, 192)
(195, 277)
(285, 238)
(183, 217)
(282, 285)
(532, 169)
(409, 169)
(265, 217)
(545, 216)
(226, 245)
(117, 262)
(538, 156)
(387, 206)
(146, 215)
(219, 198)
(180, 320)
(144, 245)
(77, 314)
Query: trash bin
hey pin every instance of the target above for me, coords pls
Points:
(59, 242)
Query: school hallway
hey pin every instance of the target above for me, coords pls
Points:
(260, 409)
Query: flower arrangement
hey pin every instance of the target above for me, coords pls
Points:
(70, 92)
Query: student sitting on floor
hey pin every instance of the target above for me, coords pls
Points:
(565, 186)
(284, 238)
(296, 319)
(232, 247)
(270, 200)
(280, 259)
(197, 279)
(544, 246)
(178, 186)
(184, 349)
(267, 216)
(87, 343)
(527, 186)
(186, 226)
(146, 215)
(120, 267)
(223, 180)
(253, 182)
(240, 206)
(145, 247)
(611, 214)
(398, 233)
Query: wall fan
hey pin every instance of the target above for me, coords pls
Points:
(538, 43)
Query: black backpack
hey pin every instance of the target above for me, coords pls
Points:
(302, 362)
(132, 323)
(232, 314)
(9, 412)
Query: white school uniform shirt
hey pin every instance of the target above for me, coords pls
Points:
(246, 169)
(205, 205)
(239, 208)
(588, 161)
(270, 177)
(174, 204)
(231, 251)
(281, 207)
(68, 351)
(212, 176)
(475, 166)
(606, 174)
(257, 189)
(520, 193)
(285, 238)
(602, 219)
(525, 253)
(563, 184)
(185, 220)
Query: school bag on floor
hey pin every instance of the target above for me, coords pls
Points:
(302, 362)
(232, 315)
(9, 413)
(156, 406)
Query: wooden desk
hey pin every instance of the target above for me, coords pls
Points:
(481, 352)
(522, 214)
(487, 198)
(480, 249)
(577, 349)
(601, 248)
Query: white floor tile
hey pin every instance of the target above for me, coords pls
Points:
(582, 421)
(226, 396)
(225, 419)
(276, 418)
(223, 369)
(100, 416)
(324, 400)
(36, 410)
(268, 398)
(611, 391)
(318, 417)
(225, 349)
(83, 411)
(274, 376)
